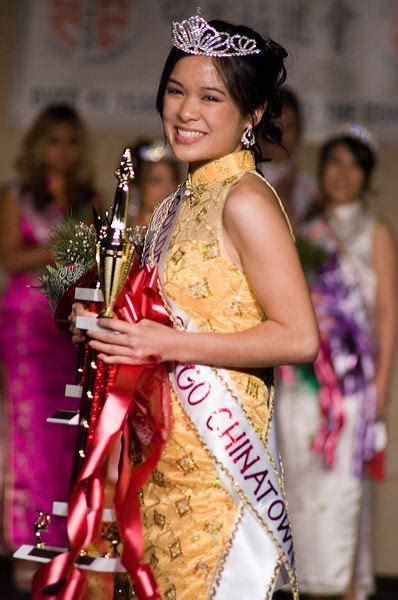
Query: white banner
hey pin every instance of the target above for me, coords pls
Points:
(106, 56)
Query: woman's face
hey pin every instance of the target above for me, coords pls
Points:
(342, 178)
(60, 148)
(158, 182)
(200, 118)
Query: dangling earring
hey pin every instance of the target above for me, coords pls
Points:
(248, 138)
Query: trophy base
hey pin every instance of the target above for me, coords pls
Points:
(89, 295)
(86, 323)
(64, 417)
(73, 391)
(88, 563)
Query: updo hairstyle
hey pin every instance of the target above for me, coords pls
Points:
(253, 80)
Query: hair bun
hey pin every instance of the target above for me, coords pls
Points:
(276, 49)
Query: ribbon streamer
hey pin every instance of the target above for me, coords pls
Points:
(345, 364)
(139, 399)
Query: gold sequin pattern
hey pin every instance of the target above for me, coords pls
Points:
(186, 488)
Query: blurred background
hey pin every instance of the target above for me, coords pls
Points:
(105, 57)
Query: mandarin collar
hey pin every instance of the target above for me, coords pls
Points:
(220, 169)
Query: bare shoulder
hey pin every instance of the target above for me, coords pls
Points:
(384, 235)
(253, 201)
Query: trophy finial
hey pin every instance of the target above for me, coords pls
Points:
(40, 525)
(125, 172)
(114, 250)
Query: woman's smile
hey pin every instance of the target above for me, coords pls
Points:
(188, 136)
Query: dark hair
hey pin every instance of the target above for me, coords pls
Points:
(141, 163)
(252, 80)
(33, 171)
(289, 99)
(363, 155)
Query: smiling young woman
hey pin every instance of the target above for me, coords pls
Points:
(214, 510)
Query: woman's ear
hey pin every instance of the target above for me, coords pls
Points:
(258, 114)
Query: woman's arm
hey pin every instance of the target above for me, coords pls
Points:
(257, 238)
(384, 260)
(14, 254)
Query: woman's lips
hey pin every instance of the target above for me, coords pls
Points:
(188, 136)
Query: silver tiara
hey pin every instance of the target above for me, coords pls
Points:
(358, 132)
(196, 36)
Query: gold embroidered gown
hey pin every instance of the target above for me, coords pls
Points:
(188, 515)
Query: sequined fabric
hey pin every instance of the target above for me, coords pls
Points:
(188, 515)
(38, 360)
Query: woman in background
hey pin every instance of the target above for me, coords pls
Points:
(54, 179)
(156, 176)
(327, 411)
(297, 188)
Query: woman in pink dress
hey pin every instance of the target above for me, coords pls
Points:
(38, 360)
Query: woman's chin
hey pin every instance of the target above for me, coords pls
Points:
(189, 152)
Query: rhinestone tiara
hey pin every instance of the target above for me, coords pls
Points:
(358, 132)
(155, 151)
(196, 36)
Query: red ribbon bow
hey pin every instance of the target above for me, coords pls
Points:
(139, 399)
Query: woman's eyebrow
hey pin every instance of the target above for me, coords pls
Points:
(172, 80)
(213, 89)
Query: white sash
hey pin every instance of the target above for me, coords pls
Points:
(249, 468)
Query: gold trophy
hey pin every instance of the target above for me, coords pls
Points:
(114, 246)
(114, 250)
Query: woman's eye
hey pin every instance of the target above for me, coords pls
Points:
(211, 99)
(173, 91)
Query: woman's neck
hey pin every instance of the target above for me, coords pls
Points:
(333, 205)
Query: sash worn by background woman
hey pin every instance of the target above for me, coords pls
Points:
(346, 363)
(326, 410)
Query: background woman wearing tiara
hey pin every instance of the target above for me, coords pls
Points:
(327, 411)
(156, 176)
(231, 274)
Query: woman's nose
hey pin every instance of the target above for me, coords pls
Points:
(189, 109)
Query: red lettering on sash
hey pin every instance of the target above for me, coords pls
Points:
(285, 526)
(259, 476)
(232, 439)
(194, 402)
(189, 381)
(291, 553)
(271, 508)
(246, 464)
(240, 445)
(213, 414)
(267, 491)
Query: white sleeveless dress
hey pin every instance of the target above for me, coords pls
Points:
(329, 508)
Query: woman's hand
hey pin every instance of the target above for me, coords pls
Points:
(140, 343)
(78, 310)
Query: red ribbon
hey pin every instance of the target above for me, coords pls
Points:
(331, 404)
(139, 399)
